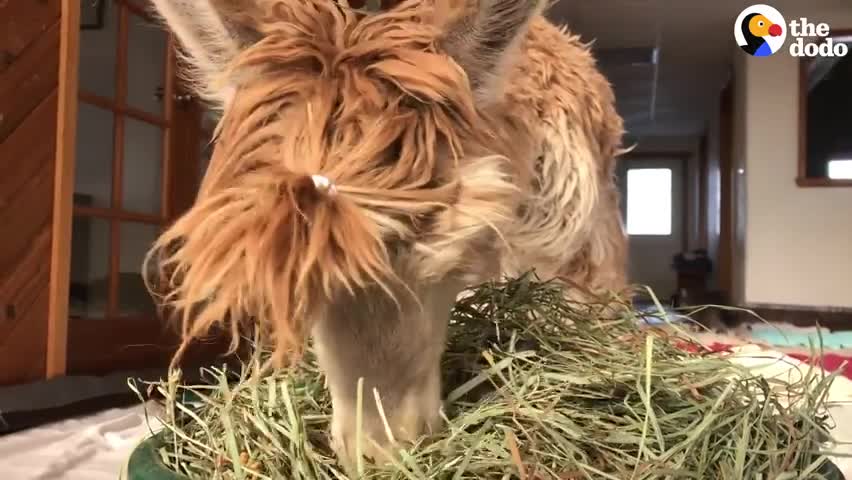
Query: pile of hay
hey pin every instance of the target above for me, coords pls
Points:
(543, 388)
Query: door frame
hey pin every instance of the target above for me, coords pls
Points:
(683, 157)
(63, 189)
(78, 346)
(727, 177)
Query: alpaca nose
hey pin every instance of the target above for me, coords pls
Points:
(775, 30)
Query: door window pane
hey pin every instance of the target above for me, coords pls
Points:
(90, 252)
(93, 167)
(136, 240)
(143, 152)
(827, 113)
(146, 64)
(97, 52)
(649, 201)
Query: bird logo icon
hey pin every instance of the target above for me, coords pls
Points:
(760, 30)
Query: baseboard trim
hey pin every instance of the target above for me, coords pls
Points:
(803, 308)
(801, 316)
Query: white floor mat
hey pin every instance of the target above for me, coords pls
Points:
(94, 447)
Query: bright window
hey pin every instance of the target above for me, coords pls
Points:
(649, 201)
(840, 169)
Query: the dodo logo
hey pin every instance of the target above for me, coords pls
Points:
(760, 30)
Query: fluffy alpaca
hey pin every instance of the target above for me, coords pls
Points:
(369, 167)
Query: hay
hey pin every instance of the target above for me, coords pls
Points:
(543, 388)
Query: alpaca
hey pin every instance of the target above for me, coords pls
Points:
(368, 167)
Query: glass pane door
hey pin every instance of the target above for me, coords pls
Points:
(134, 175)
(124, 123)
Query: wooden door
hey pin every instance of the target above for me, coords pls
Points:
(136, 169)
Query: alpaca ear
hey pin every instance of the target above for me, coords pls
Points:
(485, 39)
(211, 33)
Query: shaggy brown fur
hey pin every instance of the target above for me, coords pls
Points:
(463, 140)
(371, 105)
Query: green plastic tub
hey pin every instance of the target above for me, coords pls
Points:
(145, 463)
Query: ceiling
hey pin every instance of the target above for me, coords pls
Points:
(695, 44)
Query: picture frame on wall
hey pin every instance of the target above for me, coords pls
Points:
(92, 14)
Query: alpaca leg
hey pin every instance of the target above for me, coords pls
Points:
(396, 353)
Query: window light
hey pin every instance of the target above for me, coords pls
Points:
(649, 201)
(840, 169)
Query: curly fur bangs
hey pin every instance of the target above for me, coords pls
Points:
(369, 103)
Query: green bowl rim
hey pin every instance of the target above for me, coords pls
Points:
(145, 462)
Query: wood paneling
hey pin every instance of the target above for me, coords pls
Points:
(28, 142)
(25, 207)
(29, 62)
(25, 216)
(23, 331)
(32, 79)
(21, 23)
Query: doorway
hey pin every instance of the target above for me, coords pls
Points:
(133, 176)
(652, 192)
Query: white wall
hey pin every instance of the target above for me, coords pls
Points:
(798, 241)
